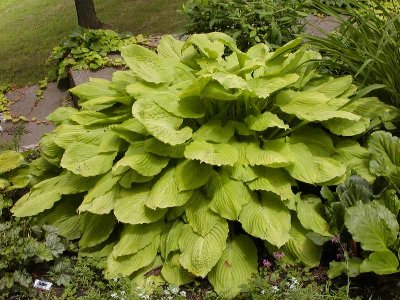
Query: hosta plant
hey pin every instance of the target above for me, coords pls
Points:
(180, 162)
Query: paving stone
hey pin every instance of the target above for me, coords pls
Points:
(319, 26)
(78, 77)
(25, 103)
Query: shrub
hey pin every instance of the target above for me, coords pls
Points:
(366, 46)
(274, 22)
(219, 143)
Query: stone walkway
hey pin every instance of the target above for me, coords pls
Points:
(26, 104)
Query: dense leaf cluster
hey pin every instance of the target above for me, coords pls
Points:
(23, 243)
(274, 22)
(180, 162)
(369, 213)
(86, 49)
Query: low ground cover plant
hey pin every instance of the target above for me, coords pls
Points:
(24, 245)
(369, 213)
(89, 49)
(197, 153)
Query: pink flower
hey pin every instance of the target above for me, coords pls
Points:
(278, 255)
(266, 263)
(335, 239)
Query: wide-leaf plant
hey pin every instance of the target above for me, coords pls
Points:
(183, 160)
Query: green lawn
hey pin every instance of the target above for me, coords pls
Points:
(31, 28)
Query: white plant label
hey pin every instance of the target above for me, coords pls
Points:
(43, 285)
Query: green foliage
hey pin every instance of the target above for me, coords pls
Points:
(285, 281)
(369, 214)
(89, 49)
(218, 144)
(273, 22)
(365, 46)
(24, 244)
(82, 279)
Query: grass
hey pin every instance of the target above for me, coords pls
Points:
(31, 28)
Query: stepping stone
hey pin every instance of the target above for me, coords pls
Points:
(318, 26)
(26, 104)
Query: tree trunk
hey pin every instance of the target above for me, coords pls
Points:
(86, 13)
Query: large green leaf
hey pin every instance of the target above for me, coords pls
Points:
(354, 190)
(85, 159)
(10, 160)
(381, 262)
(273, 180)
(199, 215)
(228, 196)
(126, 265)
(344, 127)
(310, 213)
(200, 254)
(65, 135)
(43, 195)
(170, 236)
(264, 121)
(65, 218)
(138, 159)
(385, 156)
(136, 237)
(96, 229)
(373, 225)
(213, 131)
(144, 63)
(210, 49)
(213, 154)
(235, 268)
(313, 106)
(100, 199)
(103, 204)
(174, 273)
(275, 154)
(96, 87)
(89, 118)
(267, 219)
(263, 87)
(355, 157)
(130, 207)
(165, 192)
(160, 123)
(350, 267)
(191, 174)
(313, 169)
(156, 147)
(170, 47)
(300, 247)
(334, 87)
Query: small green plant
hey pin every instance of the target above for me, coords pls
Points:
(274, 22)
(4, 105)
(288, 282)
(366, 46)
(178, 163)
(24, 245)
(89, 49)
(368, 213)
(42, 86)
